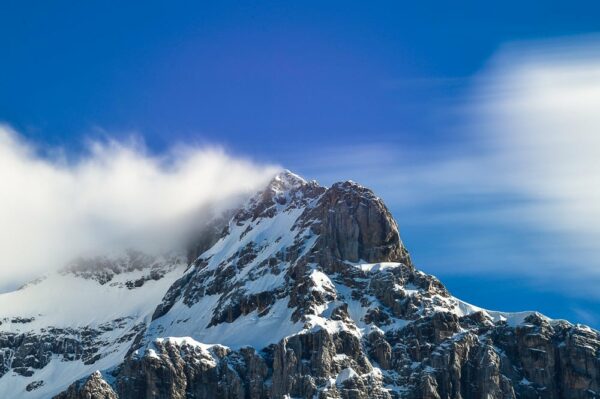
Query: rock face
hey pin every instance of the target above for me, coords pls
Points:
(308, 292)
(354, 225)
(93, 387)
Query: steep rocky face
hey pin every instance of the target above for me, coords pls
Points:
(91, 387)
(354, 225)
(308, 292)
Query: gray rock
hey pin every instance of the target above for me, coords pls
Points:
(93, 387)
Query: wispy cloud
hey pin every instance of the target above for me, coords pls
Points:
(115, 196)
(527, 161)
(539, 112)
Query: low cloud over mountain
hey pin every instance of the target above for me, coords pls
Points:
(114, 196)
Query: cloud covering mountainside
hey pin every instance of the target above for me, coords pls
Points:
(115, 196)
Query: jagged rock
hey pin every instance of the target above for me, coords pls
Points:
(353, 224)
(93, 387)
(380, 349)
(187, 369)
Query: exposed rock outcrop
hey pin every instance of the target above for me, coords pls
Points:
(93, 387)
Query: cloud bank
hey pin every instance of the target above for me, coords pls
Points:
(114, 197)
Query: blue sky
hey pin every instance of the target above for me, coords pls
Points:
(383, 93)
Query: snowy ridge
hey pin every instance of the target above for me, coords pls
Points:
(87, 325)
(243, 256)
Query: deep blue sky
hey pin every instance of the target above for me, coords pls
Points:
(277, 82)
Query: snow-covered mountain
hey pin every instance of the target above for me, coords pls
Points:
(304, 291)
(68, 324)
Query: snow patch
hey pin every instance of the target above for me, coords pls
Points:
(346, 374)
(374, 267)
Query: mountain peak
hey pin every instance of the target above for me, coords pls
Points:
(286, 180)
(304, 291)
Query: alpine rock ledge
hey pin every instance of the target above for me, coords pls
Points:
(303, 292)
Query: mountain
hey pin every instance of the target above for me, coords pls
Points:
(302, 292)
(68, 324)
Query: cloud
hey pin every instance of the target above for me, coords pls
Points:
(538, 106)
(517, 187)
(114, 197)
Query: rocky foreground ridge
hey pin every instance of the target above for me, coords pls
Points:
(304, 292)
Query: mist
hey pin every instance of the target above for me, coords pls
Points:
(115, 196)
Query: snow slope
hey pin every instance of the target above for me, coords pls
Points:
(63, 307)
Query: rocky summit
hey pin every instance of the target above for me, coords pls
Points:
(302, 292)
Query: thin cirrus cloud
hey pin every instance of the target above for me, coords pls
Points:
(539, 110)
(526, 161)
(115, 197)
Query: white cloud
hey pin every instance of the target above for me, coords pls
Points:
(524, 160)
(539, 116)
(116, 196)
